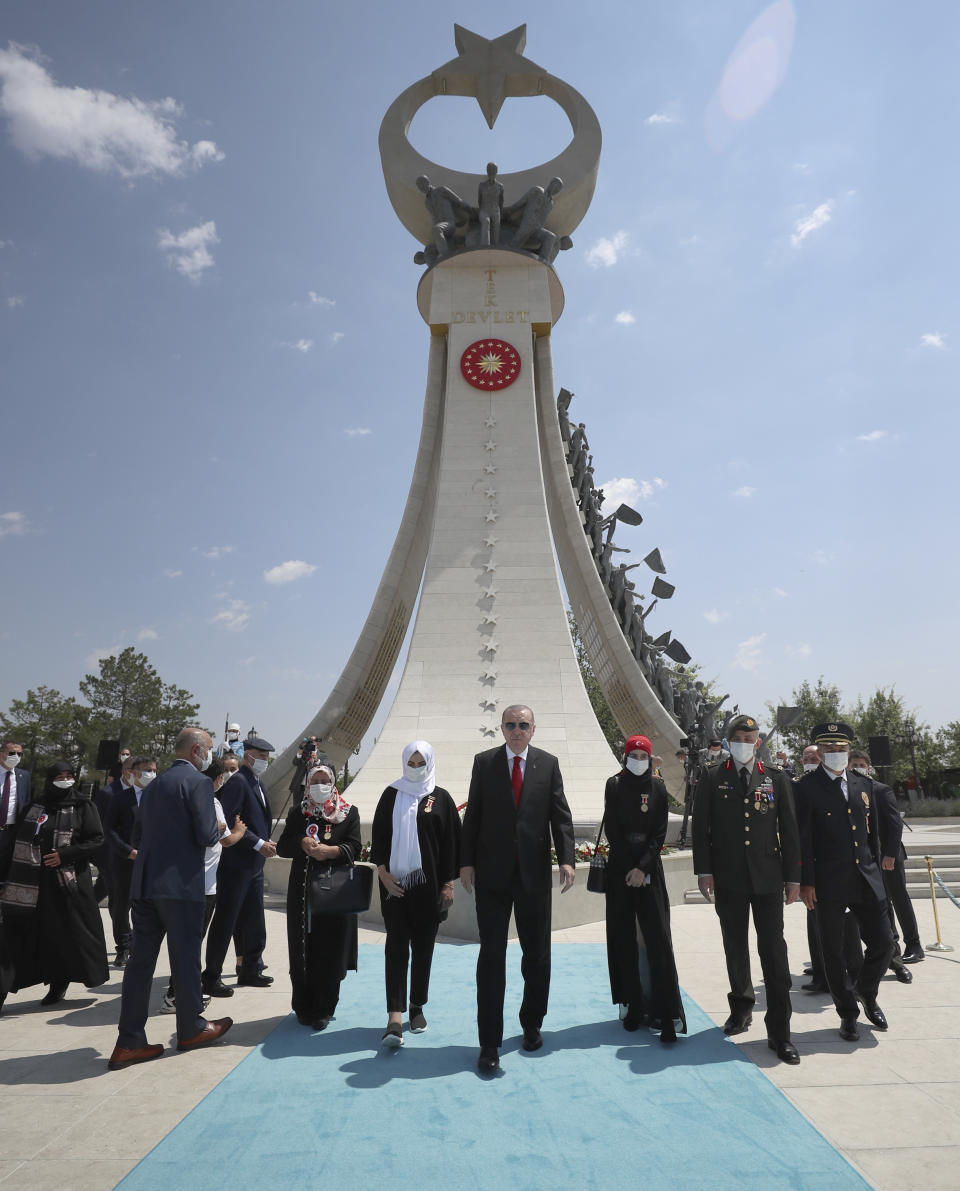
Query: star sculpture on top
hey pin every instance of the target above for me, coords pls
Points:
(489, 69)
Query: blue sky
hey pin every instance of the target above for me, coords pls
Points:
(212, 364)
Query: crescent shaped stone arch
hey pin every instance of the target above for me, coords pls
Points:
(577, 164)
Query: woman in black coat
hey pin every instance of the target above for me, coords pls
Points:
(416, 847)
(324, 829)
(53, 933)
(635, 824)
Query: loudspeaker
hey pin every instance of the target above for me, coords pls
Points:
(108, 753)
(789, 717)
(879, 750)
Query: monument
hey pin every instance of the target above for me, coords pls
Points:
(492, 494)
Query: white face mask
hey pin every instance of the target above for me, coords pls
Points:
(810, 766)
(836, 761)
(64, 783)
(145, 779)
(206, 762)
(259, 766)
(12, 760)
(861, 769)
(321, 791)
(741, 751)
(415, 773)
(124, 757)
(638, 765)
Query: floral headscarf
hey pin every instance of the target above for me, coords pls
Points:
(334, 809)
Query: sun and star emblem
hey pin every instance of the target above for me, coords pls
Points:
(490, 364)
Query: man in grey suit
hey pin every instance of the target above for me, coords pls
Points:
(516, 802)
(178, 823)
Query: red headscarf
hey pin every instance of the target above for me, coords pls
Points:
(637, 742)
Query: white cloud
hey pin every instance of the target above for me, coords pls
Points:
(715, 616)
(625, 318)
(336, 336)
(15, 300)
(6, 243)
(13, 523)
(748, 653)
(216, 551)
(287, 572)
(873, 436)
(606, 250)
(96, 129)
(800, 650)
(357, 431)
(171, 574)
(234, 617)
(811, 223)
(781, 593)
(801, 167)
(92, 660)
(301, 345)
(626, 490)
(689, 241)
(746, 491)
(148, 635)
(661, 118)
(189, 253)
(319, 300)
(933, 339)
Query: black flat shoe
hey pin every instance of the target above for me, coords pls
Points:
(848, 1029)
(55, 994)
(258, 981)
(320, 1023)
(216, 988)
(633, 1019)
(902, 973)
(815, 986)
(489, 1060)
(668, 1033)
(737, 1025)
(532, 1039)
(786, 1051)
(913, 955)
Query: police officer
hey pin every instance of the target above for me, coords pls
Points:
(746, 854)
(840, 847)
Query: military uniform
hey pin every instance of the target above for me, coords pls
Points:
(745, 836)
(840, 848)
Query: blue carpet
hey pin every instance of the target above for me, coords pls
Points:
(596, 1107)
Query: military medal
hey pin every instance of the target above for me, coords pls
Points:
(866, 799)
(644, 799)
(429, 807)
(326, 831)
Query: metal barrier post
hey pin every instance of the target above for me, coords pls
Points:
(939, 945)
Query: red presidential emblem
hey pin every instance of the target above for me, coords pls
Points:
(490, 364)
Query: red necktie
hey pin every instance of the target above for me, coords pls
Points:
(5, 799)
(517, 778)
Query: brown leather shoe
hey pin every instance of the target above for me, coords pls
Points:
(210, 1033)
(125, 1057)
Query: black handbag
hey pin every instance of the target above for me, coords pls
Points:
(597, 876)
(341, 889)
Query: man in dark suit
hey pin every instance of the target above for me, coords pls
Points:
(893, 855)
(240, 875)
(14, 799)
(118, 829)
(516, 802)
(840, 848)
(177, 824)
(746, 854)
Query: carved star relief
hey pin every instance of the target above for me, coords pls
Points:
(489, 470)
(489, 493)
(489, 675)
(490, 593)
(490, 566)
(490, 540)
(488, 704)
(491, 517)
(489, 618)
(492, 646)
(486, 730)
(489, 445)
(490, 423)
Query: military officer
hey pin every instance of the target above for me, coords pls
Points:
(746, 854)
(839, 842)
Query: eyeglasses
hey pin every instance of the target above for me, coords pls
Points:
(512, 725)
(14, 753)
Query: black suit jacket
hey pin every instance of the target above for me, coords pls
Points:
(119, 821)
(177, 824)
(889, 822)
(749, 844)
(240, 796)
(8, 836)
(498, 837)
(839, 839)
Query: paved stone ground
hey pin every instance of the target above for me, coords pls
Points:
(891, 1102)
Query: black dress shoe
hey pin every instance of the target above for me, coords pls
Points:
(913, 955)
(848, 1029)
(786, 1051)
(532, 1039)
(902, 973)
(815, 986)
(121, 960)
(737, 1025)
(489, 1060)
(872, 1012)
(668, 1032)
(633, 1019)
(321, 1023)
(257, 981)
(216, 988)
(56, 993)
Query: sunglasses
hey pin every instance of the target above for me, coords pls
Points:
(512, 725)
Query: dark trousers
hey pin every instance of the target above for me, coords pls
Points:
(411, 922)
(122, 872)
(852, 947)
(103, 886)
(239, 908)
(871, 918)
(733, 910)
(531, 910)
(209, 904)
(895, 885)
(182, 923)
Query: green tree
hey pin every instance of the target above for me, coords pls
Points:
(948, 743)
(49, 726)
(817, 703)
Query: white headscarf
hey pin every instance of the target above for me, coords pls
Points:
(406, 864)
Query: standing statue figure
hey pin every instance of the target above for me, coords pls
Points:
(579, 464)
(691, 704)
(708, 720)
(534, 210)
(443, 205)
(618, 586)
(666, 688)
(586, 481)
(605, 560)
(578, 440)
(563, 406)
(591, 524)
(730, 715)
(490, 206)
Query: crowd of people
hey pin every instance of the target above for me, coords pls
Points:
(180, 856)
